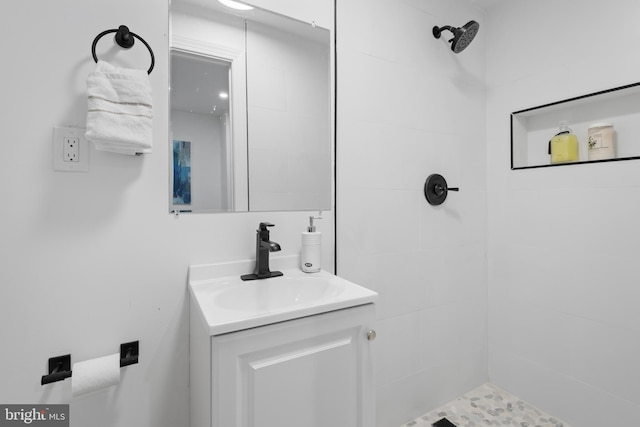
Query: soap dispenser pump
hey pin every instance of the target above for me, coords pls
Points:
(311, 247)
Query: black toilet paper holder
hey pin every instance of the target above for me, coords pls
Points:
(129, 353)
(59, 369)
(60, 366)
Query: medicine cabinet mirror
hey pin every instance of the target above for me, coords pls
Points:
(250, 122)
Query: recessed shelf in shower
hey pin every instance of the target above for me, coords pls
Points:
(532, 128)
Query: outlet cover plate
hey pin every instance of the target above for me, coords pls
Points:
(59, 163)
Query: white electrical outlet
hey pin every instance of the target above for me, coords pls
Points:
(70, 150)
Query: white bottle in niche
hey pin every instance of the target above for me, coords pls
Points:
(311, 248)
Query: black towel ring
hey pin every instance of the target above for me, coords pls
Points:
(125, 39)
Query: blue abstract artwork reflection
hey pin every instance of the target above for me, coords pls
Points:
(181, 172)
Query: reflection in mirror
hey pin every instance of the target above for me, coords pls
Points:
(200, 130)
(267, 146)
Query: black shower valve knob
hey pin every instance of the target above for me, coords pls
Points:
(440, 189)
(436, 189)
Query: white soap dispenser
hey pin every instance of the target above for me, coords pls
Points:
(311, 247)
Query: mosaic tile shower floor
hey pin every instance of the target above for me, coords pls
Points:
(488, 405)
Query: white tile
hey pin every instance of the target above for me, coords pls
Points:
(406, 399)
(573, 401)
(399, 279)
(379, 152)
(357, 101)
(464, 275)
(410, 397)
(606, 357)
(451, 330)
(364, 26)
(527, 50)
(533, 332)
(378, 221)
(397, 348)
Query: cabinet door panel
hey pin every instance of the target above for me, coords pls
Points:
(312, 372)
(314, 385)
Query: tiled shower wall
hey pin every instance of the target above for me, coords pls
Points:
(563, 241)
(409, 107)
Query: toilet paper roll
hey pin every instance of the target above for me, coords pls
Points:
(95, 374)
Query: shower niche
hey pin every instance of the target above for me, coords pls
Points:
(533, 128)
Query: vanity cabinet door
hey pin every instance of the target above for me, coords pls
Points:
(312, 372)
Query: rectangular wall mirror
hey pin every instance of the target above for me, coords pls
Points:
(250, 114)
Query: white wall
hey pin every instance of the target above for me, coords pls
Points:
(409, 107)
(563, 241)
(92, 260)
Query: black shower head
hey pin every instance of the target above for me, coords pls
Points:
(462, 36)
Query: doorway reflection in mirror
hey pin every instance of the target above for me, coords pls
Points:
(199, 115)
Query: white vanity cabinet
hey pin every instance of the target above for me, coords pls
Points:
(314, 371)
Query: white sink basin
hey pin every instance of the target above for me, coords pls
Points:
(278, 293)
(228, 304)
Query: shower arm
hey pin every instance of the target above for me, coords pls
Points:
(438, 30)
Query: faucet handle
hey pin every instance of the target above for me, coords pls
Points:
(263, 231)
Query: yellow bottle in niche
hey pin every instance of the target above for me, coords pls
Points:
(564, 146)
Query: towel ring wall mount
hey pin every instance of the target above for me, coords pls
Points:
(125, 39)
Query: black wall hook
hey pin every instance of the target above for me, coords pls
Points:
(125, 39)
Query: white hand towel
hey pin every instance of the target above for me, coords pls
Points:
(119, 118)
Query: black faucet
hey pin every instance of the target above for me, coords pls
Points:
(263, 247)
